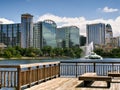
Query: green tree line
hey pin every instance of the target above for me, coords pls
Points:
(113, 53)
(17, 51)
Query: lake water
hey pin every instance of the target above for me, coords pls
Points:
(17, 62)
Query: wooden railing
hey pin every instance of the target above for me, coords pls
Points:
(26, 75)
(74, 69)
(18, 76)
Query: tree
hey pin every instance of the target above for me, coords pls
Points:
(29, 52)
(115, 52)
(77, 51)
(13, 51)
(21, 50)
(66, 51)
(58, 51)
(99, 51)
(7, 54)
(47, 50)
(38, 52)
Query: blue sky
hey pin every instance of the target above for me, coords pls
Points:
(86, 10)
(12, 9)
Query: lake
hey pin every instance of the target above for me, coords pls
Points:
(17, 62)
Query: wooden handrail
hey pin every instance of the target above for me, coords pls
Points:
(37, 64)
(27, 74)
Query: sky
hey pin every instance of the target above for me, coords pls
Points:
(64, 12)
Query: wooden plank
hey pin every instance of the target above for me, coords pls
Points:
(19, 78)
(72, 84)
(89, 74)
(95, 78)
(114, 74)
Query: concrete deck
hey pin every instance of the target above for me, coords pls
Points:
(74, 84)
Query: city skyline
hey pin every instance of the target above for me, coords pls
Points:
(64, 13)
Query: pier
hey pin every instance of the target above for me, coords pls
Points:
(57, 75)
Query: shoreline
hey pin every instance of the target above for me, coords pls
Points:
(33, 58)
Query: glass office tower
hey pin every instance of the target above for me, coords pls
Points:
(68, 37)
(27, 30)
(45, 34)
(96, 33)
(10, 34)
(37, 35)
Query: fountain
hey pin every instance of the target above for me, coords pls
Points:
(90, 54)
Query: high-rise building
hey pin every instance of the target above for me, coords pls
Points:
(45, 34)
(68, 36)
(37, 35)
(115, 41)
(96, 33)
(118, 41)
(108, 36)
(10, 34)
(26, 30)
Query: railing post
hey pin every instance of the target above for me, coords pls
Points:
(19, 78)
(76, 69)
(58, 69)
(50, 74)
(30, 78)
(44, 76)
(37, 74)
(55, 70)
(94, 66)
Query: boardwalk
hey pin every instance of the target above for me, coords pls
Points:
(74, 84)
(18, 76)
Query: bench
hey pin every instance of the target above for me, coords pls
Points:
(114, 74)
(91, 77)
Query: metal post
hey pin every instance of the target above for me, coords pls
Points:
(94, 64)
(76, 69)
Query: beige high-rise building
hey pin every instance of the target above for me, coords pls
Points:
(109, 36)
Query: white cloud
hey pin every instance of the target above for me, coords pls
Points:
(66, 21)
(109, 10)
(5, 21)
(81, 22)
